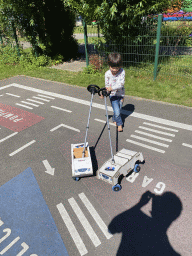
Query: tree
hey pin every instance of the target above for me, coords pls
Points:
(49, 22)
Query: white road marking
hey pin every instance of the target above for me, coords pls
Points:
(35, 105)
(102, 121)
(40, 99)
(23, 105)
(48, 167)
(66, 126)
(36, 101)
(145, 146)
(61, 109)
(23, 147)
(187, 145)
(72, 230)
(46, 96)
(153, 136)
(13, 95)
(150, 141)
(10, 245)
(95, 215)
(100, 106)
(85, 223)
(162, 127)
(9, 136)
(152, 130)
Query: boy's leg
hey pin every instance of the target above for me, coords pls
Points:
(116, 109)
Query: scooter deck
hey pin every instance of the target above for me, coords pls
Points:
(81, 166)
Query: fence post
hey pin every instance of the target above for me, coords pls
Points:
(86, 42)
(15, 37)
(157, 44)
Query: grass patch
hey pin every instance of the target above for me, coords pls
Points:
(139, 81)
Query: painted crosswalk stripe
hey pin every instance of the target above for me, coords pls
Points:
(14, 95)
(9, 136)
(32, 104)
(46, 96)
(23, 147)
(23, 105)
(40, 99)
(162, 127)
(145, 146)
(72, 230)
(61, 109)
(187, 145)
(95, 215)
(153, 136)
(150, 141)
(102, 121)
(156, 131)
(36, 101)
(85, 223)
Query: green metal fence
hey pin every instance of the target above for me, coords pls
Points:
(161, 49)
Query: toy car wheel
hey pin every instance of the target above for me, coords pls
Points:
(116, 188)
(76, 178)
(137, 168)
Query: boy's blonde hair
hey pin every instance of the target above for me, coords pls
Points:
(114, 59)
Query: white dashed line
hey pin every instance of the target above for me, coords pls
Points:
(23, 105)
(9, 136)
(66, 126)
(145, 146)
(40, 99)
(61, 109)
(162, 127)
(36, 101)
(187, 145)
(153, 136)
(156, 131)
(30, 103)
(150, 141)
(46, 96)
(13, 95)
(102, 121)
(23, 147)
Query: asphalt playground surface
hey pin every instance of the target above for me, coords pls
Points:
(45, 212)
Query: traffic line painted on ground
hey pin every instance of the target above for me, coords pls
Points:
(187, 145)
(23, 147)
(153, 136)
(36, 101)
(161, 127)
(66, 126)
(61, 109)
(14, 95)
(102, 121)
(145, 146)
(40, 99)
(46, 96)
(72, 230)
(9, 136)
(23, 105)
(150, 141)
(32, 104)
(156, 131)
(85, 223)
(95, 215)
(100, 106)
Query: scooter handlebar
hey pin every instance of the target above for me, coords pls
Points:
(104, 92)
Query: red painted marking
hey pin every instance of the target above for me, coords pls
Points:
(17, 119)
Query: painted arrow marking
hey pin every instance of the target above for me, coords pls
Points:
(48, 167)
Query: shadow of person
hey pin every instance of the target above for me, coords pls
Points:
(143, 235)
(126, 111)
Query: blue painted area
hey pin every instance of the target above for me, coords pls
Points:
(24, 211)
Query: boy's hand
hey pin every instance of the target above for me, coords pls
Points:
(109, 89)
(101, 97)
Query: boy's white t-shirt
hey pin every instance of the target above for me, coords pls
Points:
(116, 82)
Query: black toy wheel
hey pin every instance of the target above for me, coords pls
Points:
(92, 88)
(76, 178)
(104, 92)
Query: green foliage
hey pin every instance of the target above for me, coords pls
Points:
(8, 55)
